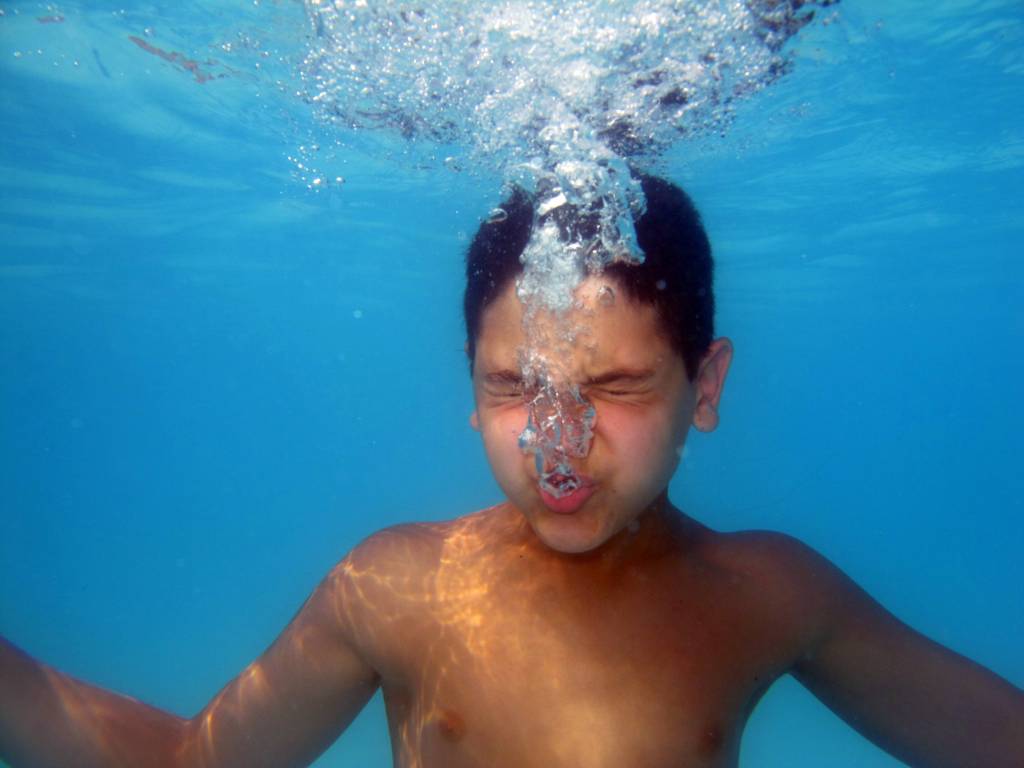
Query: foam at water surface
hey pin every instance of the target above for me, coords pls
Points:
(561, 98)
(564, 93)
(525, 82)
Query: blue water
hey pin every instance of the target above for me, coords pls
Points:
(214, 382)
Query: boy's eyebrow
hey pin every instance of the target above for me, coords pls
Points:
(504, 376)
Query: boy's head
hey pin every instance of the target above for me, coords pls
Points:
(645, 369)
(675, 277)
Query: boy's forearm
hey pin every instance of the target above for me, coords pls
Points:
(49, 719)
(922, 702)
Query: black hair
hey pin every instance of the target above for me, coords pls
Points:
(675, 276)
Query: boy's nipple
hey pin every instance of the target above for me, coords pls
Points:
(450, 724)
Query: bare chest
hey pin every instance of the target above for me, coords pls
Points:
(510, 678)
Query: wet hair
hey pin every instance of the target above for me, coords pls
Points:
(675, 276)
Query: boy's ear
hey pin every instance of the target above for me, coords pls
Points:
(709, 383)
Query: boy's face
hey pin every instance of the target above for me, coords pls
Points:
(626, 368)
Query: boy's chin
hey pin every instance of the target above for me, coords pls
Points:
(569, 534)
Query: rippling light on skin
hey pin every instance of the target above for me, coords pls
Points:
(446, 589)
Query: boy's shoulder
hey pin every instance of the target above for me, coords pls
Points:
(404, 559)
(801, 589)
(775, 561)
(406, 547)
(406, 580)
(396, 583)
(783, 570)
(408, 550)
(762, 552)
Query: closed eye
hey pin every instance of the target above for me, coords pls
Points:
(503, 384)
(620, 383)
(612, 392)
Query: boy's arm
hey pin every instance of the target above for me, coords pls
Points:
(283, 710)
(920, 701)
(50, 719)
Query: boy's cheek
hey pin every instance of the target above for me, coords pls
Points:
(501, 428)
(509, 464)
(641, 439)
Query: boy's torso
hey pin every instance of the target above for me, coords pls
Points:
(493, 654)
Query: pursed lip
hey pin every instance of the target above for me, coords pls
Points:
(570, 502)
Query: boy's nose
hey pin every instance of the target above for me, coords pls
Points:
(560, 425)
(577, 417)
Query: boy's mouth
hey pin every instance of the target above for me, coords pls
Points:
(565, 493)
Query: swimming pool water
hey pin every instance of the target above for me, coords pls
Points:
(214, 381)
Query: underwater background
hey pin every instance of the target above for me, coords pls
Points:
(216, 376)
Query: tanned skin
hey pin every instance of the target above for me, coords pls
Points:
(623, 634)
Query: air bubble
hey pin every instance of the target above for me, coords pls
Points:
(551, 203)
(564, 104)
(559, 427)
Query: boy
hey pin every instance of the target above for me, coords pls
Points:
(600, 627)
